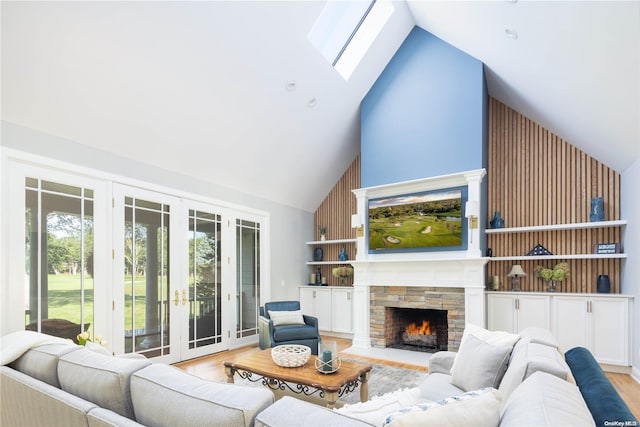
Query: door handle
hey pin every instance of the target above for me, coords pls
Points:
(184, 297)
(177, 296)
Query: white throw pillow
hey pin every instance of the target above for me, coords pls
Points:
(490, 337)
(286, 317)
(376, 409)
(474, 408)
(480, 364)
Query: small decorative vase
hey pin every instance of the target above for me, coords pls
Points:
(552, 286)
(597, 209)
(603, 284)
(497, 221)
(323, 237)
(342, 256)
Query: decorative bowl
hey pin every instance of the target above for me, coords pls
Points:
(290, 355)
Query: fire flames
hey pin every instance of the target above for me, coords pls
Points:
(413, 329)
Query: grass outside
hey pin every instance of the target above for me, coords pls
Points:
(64, 299)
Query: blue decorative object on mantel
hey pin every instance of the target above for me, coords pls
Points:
(597, 209)
(497, 221)
(342, 256)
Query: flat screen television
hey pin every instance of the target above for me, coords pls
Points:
(426, 221)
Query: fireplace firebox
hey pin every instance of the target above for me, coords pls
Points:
(416, 329)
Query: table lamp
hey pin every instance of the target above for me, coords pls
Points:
(515, 274)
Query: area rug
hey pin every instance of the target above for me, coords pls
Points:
(383, 379)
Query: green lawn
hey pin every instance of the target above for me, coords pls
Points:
(64, 299)
(410, 232)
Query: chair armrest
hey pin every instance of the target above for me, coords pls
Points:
(265, 328)
(441, 362)
(310, 320)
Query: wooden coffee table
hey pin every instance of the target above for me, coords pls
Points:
(306, 379)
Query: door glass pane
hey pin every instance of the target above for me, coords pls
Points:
(59, 258)
(205, 279)
(146, 277)
(248, 277)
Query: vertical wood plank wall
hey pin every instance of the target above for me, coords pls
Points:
(536, 178)
(335, 213)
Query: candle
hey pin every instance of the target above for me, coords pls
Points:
(326, 359)
(313, 278)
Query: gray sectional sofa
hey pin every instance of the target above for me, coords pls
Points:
(529, 384)
(67, 385)
(521, 381)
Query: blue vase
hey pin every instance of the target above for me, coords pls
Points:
(497, 221)
(597, 209)
(603, 284)
(342, 256)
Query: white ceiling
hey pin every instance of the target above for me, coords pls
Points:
(199, 88)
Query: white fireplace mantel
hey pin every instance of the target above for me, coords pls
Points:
(459, 269)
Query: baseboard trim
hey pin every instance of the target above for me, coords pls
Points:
(635, 374)
(617, 369)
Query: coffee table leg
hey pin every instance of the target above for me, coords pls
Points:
(331, 398)
(229, 371)
(364, 387)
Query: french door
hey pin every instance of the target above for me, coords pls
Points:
(177, 278)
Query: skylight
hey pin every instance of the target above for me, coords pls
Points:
(345, 31)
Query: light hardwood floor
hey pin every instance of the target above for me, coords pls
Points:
(210, 367)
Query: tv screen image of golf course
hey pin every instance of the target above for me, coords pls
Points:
(425, 220)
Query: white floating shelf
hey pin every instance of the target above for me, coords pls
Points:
(544, 257)
(331, 242)
(554, 227)
(328, 262)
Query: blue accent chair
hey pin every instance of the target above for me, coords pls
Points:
(271, 336)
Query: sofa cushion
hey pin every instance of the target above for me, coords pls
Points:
(438, 386)
(294, 332)
(539, 335)
(545, 400)
(42, 362)
(101, 379)
(286, 317)
(290, 411)
(474, 408)
(490, 337)
(529, 357)
(480, 364)
(164, 395)
(375, 410)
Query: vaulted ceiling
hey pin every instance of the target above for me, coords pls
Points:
(203, 88)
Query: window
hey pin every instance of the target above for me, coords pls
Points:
(346, 30)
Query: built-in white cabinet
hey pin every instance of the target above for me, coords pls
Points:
(513, 312)
(332, 305)
(599, 323)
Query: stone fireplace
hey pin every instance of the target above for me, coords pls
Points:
(395, 308)
(450, 282)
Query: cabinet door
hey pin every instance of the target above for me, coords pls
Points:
(532, 310)
(342, 315)
(610, 330)
(570, 318)
(316, 301)
(501, 315)
(308, 301)
(323, 309)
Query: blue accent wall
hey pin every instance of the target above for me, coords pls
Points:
(426, 115)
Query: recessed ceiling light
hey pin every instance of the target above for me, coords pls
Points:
(312, 103)
(511, 33)
(290, 86)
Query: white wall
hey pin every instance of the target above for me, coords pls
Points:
(290, 228)
(630, 207)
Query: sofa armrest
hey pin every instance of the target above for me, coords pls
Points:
(290, 411)
(441, 362)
